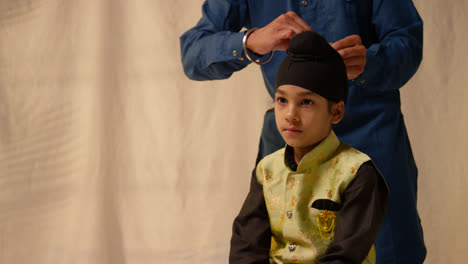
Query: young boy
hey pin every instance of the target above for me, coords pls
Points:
(325, 200)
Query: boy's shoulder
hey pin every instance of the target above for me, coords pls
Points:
(345, 151)
(350, 155)
(347, 159)
(273, 157)
(270, 163)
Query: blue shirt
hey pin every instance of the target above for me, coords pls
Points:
(392, 32)
(390, 29)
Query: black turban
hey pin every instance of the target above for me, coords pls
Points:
(314, 65)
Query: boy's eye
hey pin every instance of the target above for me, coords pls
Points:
(281, 100)
(307, 102)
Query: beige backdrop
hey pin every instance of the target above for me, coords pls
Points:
(109, 154)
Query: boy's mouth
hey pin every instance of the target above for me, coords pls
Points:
(292, 130)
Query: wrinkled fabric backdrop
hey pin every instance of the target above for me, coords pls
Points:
(109, 154)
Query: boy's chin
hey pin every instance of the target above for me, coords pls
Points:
(300, 144)
(296, 144)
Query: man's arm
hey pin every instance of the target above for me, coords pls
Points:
(357, 224)
(397, 52)
(213, 48)
(251, 235)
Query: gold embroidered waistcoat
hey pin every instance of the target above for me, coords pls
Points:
(301, 233)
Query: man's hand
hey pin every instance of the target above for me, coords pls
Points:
(277, 34)
(353, 53)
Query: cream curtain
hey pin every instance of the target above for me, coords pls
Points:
(109, 154)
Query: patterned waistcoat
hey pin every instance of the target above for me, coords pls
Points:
(301, 233)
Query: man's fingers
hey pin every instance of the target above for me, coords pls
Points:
(283, 37)
(347, 42)
(287, 21)
(293, 26)
(355, 61)
(284, 32)
(276, 35)
(354, 72)
(355, 51)
(299, 21)
(283, 45)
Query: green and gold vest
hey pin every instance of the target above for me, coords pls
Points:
(301, 233)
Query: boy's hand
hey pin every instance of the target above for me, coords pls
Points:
(353, 53)
(277, 34)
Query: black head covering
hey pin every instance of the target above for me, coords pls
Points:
(314, 65)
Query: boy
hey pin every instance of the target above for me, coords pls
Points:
(325, 200)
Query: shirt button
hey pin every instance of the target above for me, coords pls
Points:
(241, 58)
(289, 214)
(234, 53)
(363, 81)
(292, 247)
(304, 2)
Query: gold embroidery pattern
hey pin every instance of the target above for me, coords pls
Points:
(291, 184)
(268, 175)
(293, 201)
(326, 224)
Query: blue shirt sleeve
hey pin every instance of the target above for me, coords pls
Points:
(397, 54)
(213, 48)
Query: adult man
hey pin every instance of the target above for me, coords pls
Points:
(381, 44)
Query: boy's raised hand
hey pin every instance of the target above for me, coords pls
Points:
(276, 35)
(353, 53)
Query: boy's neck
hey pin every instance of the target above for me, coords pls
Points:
(300, 152)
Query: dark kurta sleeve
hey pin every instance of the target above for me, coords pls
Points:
(357, 224)
(251, 235)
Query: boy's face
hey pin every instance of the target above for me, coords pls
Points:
(304, 118)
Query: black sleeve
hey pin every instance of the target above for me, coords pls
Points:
(364, 203)
(251, 235)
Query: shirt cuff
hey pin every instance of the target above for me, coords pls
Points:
(234, 50)
(371, 70)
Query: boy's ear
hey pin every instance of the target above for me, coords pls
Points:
(337, 112)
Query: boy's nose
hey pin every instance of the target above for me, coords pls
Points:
(291, 115)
